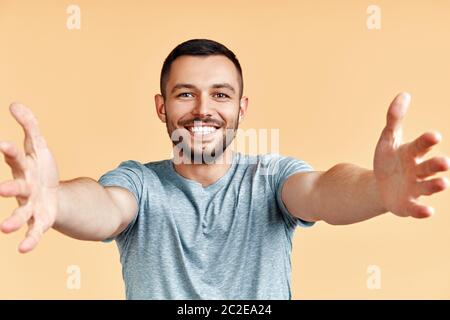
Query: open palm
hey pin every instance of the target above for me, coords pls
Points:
(35, 182)
(399, 169)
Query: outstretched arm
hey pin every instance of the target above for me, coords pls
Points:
(80, 208)
(347, 193)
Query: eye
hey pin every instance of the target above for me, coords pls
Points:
(185, 95)
(221, 95)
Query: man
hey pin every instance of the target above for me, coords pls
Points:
(221, 229)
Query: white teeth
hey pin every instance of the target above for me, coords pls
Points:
(202, 129)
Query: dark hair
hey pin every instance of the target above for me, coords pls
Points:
(198, 47)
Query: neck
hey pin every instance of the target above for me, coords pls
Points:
(206, 174)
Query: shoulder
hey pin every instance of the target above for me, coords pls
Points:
(146, 167)
(136, 170)
(259, 159)
(271, 162)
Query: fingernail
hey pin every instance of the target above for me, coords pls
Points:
(14, 106)
(446, 182)
(447, 162)
(405, 96)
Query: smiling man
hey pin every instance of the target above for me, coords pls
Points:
(212, 223)
(201, 91)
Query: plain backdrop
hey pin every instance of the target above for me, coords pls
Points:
(312, 69)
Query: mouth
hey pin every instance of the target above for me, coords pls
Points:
(203, 130)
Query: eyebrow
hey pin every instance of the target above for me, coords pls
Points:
(223, 85)
(215, 86)
(183, 86)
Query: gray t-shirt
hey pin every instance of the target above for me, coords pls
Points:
(229, 240)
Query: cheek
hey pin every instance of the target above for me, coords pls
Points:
(174, 114)
(228, 113)
(230, 117)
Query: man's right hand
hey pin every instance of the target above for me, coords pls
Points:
(35, 183)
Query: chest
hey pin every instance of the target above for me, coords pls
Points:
(196, 214)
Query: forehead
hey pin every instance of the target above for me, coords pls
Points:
(203, 71)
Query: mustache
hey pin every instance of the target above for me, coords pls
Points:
(191, 122)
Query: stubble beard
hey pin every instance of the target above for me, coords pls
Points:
(199, 154)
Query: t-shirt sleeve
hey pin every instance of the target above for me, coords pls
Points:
(278, 169)
(128, 175)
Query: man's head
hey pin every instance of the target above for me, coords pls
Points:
(201, 98)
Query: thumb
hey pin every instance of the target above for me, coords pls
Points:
(392, 133)
(397, 111)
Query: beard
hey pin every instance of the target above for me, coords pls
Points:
(186, 153)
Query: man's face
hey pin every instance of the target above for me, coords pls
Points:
(202, 108)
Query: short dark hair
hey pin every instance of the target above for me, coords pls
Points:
(198, 47)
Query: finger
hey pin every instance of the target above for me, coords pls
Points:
(15, 188)
(432, 166)
(419, 211)
(33, 236)
(397, 111)
(17, 219)
(29, 123)
(13, 157)
(420, 146)
(428, 187)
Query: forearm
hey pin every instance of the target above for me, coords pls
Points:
(85, 210)
(347, 194)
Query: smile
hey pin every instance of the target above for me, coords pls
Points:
(202, 130)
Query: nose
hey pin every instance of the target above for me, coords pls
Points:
(201, 108)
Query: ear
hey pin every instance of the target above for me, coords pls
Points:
(160, 109)
(243, 105)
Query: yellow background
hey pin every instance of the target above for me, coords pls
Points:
(311, 69)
